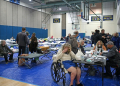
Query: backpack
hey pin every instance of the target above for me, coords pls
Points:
(91, 71)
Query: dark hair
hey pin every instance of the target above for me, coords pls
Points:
(23, 28)
(97, 31)
(102, 30)
(76, 32)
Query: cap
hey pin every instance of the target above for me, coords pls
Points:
(27, 32)
(33, 33)
(110, 43)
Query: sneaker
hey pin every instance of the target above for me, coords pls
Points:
(11, 60)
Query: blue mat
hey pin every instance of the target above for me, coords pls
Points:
(40, 74)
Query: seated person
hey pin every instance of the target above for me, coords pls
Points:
(113, 59)
(4, 50)
(100, 46)
(80, 45)
(12, 38)
(66, 55)
(62, 39)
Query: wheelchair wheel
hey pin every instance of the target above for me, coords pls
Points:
(55, 70)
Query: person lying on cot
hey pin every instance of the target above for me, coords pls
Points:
(66, 55)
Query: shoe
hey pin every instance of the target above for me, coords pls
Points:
(11, 60)
(105, 74)
(6, 62)
(80, 84)
(109, 77)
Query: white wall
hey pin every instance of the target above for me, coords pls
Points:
(56, 28)
(118, 17)
(109, 26)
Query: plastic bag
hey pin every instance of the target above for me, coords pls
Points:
(78, 55)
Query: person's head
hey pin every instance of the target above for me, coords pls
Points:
(82, 42)
(3, 42)
(92, 33)
(69, 34)
(97, 31)
(116, 34)
(33, 35)
(102, 31)
(27, 33)
(110, 44)
(76, 33)
(66, 45)
(23, 29)
(107, 33)
(99, 43)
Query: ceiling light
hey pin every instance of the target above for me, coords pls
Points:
(60, 9)
(30, 0)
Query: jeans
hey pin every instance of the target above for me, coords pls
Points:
(6, 57)
(27, 50)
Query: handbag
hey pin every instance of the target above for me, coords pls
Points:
(78, 55)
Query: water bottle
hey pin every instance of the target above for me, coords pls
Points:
(95, 53)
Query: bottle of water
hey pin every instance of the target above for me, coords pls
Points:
(95, 53)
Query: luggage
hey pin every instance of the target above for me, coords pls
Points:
(39, 51)
(20, 63)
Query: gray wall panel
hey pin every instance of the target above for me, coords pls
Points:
(3, 13)
(9, 14)
(28, 17)
(0, 12)
(64, 21)
(24, 16)
(35, 19)
(39, 20)
(32, 18)
(15, 15)
(20, 16)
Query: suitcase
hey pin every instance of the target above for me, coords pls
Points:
(20, 63)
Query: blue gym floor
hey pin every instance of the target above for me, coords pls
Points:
(40, 74)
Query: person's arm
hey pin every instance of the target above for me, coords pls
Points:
(8, 49)
(110, 54)
(17, 39)
(59, 54)
(26, 40)
(94, 47)
(103, 47)
(72, 55)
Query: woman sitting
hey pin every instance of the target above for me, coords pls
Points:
(100, 46)
(66, 55)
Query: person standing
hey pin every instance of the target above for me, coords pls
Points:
(27, 46)
(97, 36)
(104, 36)
(116, 40)
(22, 41)
(33, 44)
(73, 42)
(92, 39)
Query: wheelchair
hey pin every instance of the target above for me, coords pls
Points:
(58, 72)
